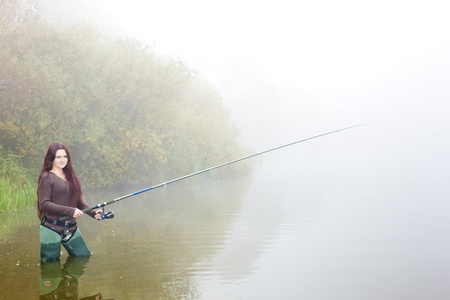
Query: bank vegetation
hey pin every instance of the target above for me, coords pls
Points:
(128, 115)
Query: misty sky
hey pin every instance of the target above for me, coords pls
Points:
(290, 69)
(323, 46)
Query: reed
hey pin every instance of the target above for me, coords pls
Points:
(14, 196)
(17, 183)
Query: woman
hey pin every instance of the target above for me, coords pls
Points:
(59, 194)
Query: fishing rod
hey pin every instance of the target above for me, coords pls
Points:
(110, 215)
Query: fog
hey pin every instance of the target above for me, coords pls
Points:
(357, 214)
(290, 69)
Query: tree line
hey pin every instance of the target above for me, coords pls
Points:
(127, 114)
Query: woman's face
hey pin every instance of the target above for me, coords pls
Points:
(60, 159)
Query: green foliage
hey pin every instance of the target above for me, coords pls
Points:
(127, 114)
(17, 185)
(14, 196)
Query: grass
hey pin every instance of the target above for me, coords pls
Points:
(14, 196)
(17, 184)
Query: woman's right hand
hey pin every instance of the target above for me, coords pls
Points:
(77, 213)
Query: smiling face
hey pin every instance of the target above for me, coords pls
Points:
(61, 159)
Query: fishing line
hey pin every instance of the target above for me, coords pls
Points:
(110, 215)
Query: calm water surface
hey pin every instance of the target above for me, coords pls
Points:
(301, 227)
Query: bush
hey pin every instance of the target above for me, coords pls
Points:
(127, 115)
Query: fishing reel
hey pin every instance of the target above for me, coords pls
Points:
(107, 215)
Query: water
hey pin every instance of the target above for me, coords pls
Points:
(304, 225)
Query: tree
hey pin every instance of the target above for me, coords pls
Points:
(127, 114)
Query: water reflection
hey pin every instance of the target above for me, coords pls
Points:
(153, 249)
(157, 243)
(299, 228)
(62, 282)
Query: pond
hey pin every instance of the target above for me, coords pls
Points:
(303, 225)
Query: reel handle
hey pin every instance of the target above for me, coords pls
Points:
(107, 215)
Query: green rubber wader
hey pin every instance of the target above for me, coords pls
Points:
(76, 246)
(51, 244)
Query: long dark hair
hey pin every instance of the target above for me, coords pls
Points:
(72, 179)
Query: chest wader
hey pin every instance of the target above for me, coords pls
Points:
(52, 239)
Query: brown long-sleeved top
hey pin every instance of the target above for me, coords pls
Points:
(54, 198)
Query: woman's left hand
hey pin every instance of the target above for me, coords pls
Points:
(98, 213)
